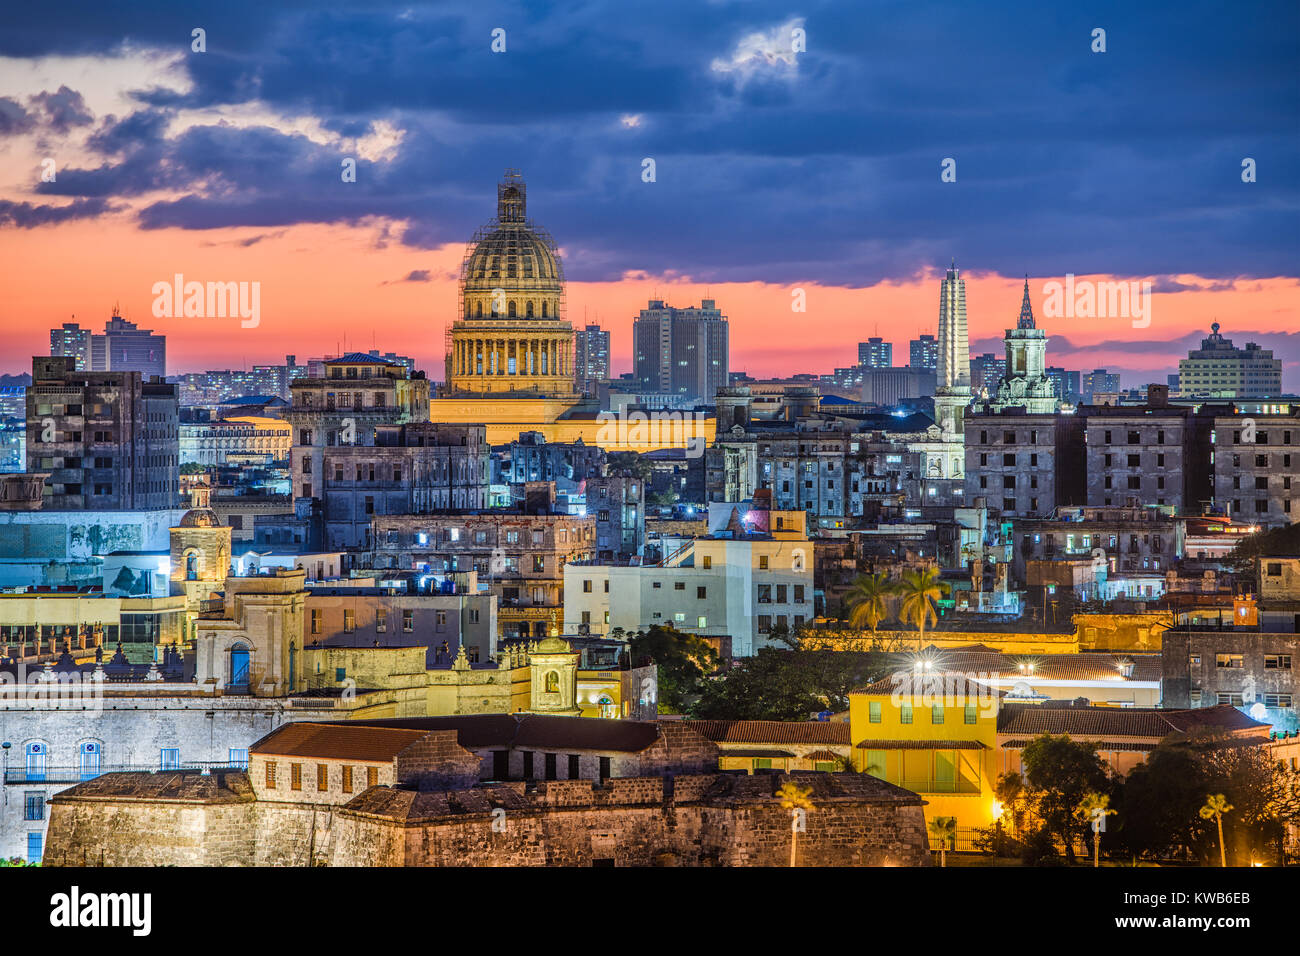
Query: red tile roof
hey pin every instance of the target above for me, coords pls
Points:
(337, 742)
(772, 731)
(1034, 720)
(921, 745)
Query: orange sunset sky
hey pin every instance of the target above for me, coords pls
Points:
(324, 288)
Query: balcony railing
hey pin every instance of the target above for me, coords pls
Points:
(60, 775)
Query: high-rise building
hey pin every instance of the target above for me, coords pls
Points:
(125, 347)
(108, 440)
(1025, 384)
(985, 372)
(681, 351)
(875, 352)
(954, 346)
(73, 341)
(591, 358)
(1218, 369)
(924, 352)
(1065, 384)
(953, 379)
(1098, 382)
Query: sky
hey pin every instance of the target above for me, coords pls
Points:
(799, 157)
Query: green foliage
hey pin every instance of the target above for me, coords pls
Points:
(1061, 773)
(16, 861)
(920, 590)
(1160, 802)
(868, 598)
(630, 462)
(778, 684)
(683, 661)
(1275, 541)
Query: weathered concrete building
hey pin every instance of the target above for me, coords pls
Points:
(532, 791)
(1257, 467)
(1024, 465)
(1248, 668)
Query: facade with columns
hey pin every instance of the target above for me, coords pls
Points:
(510, 334)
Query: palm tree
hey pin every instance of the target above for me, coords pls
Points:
(1216, 805)
(795, 798)
(867, 599)
(943, 830)
(920, 589)
(1094, 809)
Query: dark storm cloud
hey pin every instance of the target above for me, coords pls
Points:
(28, 215)
(62, 109)
(13, 118)
(1127, 162)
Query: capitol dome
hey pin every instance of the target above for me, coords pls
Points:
(510, 335)
(512, 266)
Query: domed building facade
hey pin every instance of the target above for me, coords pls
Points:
(510, 335)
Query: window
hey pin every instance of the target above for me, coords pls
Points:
(349, 621)
(295, 776)
(347, 779)
(1229, 660)
(34, 806)
(586, 587)
(381, 619)
(317, 617)
(708, 562)
(970, 713)
(34, 847)
(1275, 662)
(762, 763)
(798, 593)
(372, 776)
(936, 714)
(904, 713)
(322, 776)
(701, 593)
(679, 585)
(1277, 700)
(873, 712)
(765, 594)
(1233, 699)
(270, 775)
(762, 562)
(408, 621)
(171, 758)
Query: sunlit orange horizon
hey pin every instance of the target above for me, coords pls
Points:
(330, 288)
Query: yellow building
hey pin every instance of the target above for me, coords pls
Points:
(932, 733)
(509, 359)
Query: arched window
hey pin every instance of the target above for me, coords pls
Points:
(552, 682)
(607, 707)
(543, 308)
(191, 566)
(239, 657)
(510, 309)
(528, 311)
(478, 311)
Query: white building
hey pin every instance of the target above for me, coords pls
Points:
(735, 583)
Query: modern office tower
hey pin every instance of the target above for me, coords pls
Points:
(1220, 370)
(510, 334)
(985, 372)
(1065, 384)
(108, 440)
(1099, 382)
(73, 341)
(125, 347)
(953, 385)
(889, 386)
(591, 358)
(924, 353)
(1025, 384)
(681, 351)
(875, 352)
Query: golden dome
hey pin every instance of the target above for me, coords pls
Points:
(512, 267)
